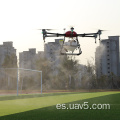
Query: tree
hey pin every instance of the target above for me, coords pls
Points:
(10, 61)
(45, 66)
(69, 68)
(89, 79)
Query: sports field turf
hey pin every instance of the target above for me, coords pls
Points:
(43, 107)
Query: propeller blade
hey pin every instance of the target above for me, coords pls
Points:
(46, 29)
(100, 31)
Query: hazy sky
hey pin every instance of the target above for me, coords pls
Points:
(19, 20)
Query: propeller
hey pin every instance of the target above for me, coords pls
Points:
(44, 32)
(46, 29)
(71, 27)
(100, 32)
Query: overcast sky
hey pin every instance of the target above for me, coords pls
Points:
(19, 20)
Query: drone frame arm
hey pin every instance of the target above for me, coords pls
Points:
(88, 36)
(58, 34)
(54, 35)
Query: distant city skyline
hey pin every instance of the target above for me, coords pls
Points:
(19, 21)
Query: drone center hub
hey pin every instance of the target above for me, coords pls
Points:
(70, 34)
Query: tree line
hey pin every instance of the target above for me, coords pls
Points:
(68, 75)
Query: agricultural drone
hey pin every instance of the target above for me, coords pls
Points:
(69, 47)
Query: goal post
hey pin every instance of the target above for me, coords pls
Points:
(18, 75)
(27, 70)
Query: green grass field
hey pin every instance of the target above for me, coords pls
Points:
(43, 107)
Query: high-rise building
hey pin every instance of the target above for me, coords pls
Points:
(52, 54)
(7, 49)
(26, 59)
(107, 57)
(8, 59)
(52, 50)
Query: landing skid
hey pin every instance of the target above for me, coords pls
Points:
(71, 53)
